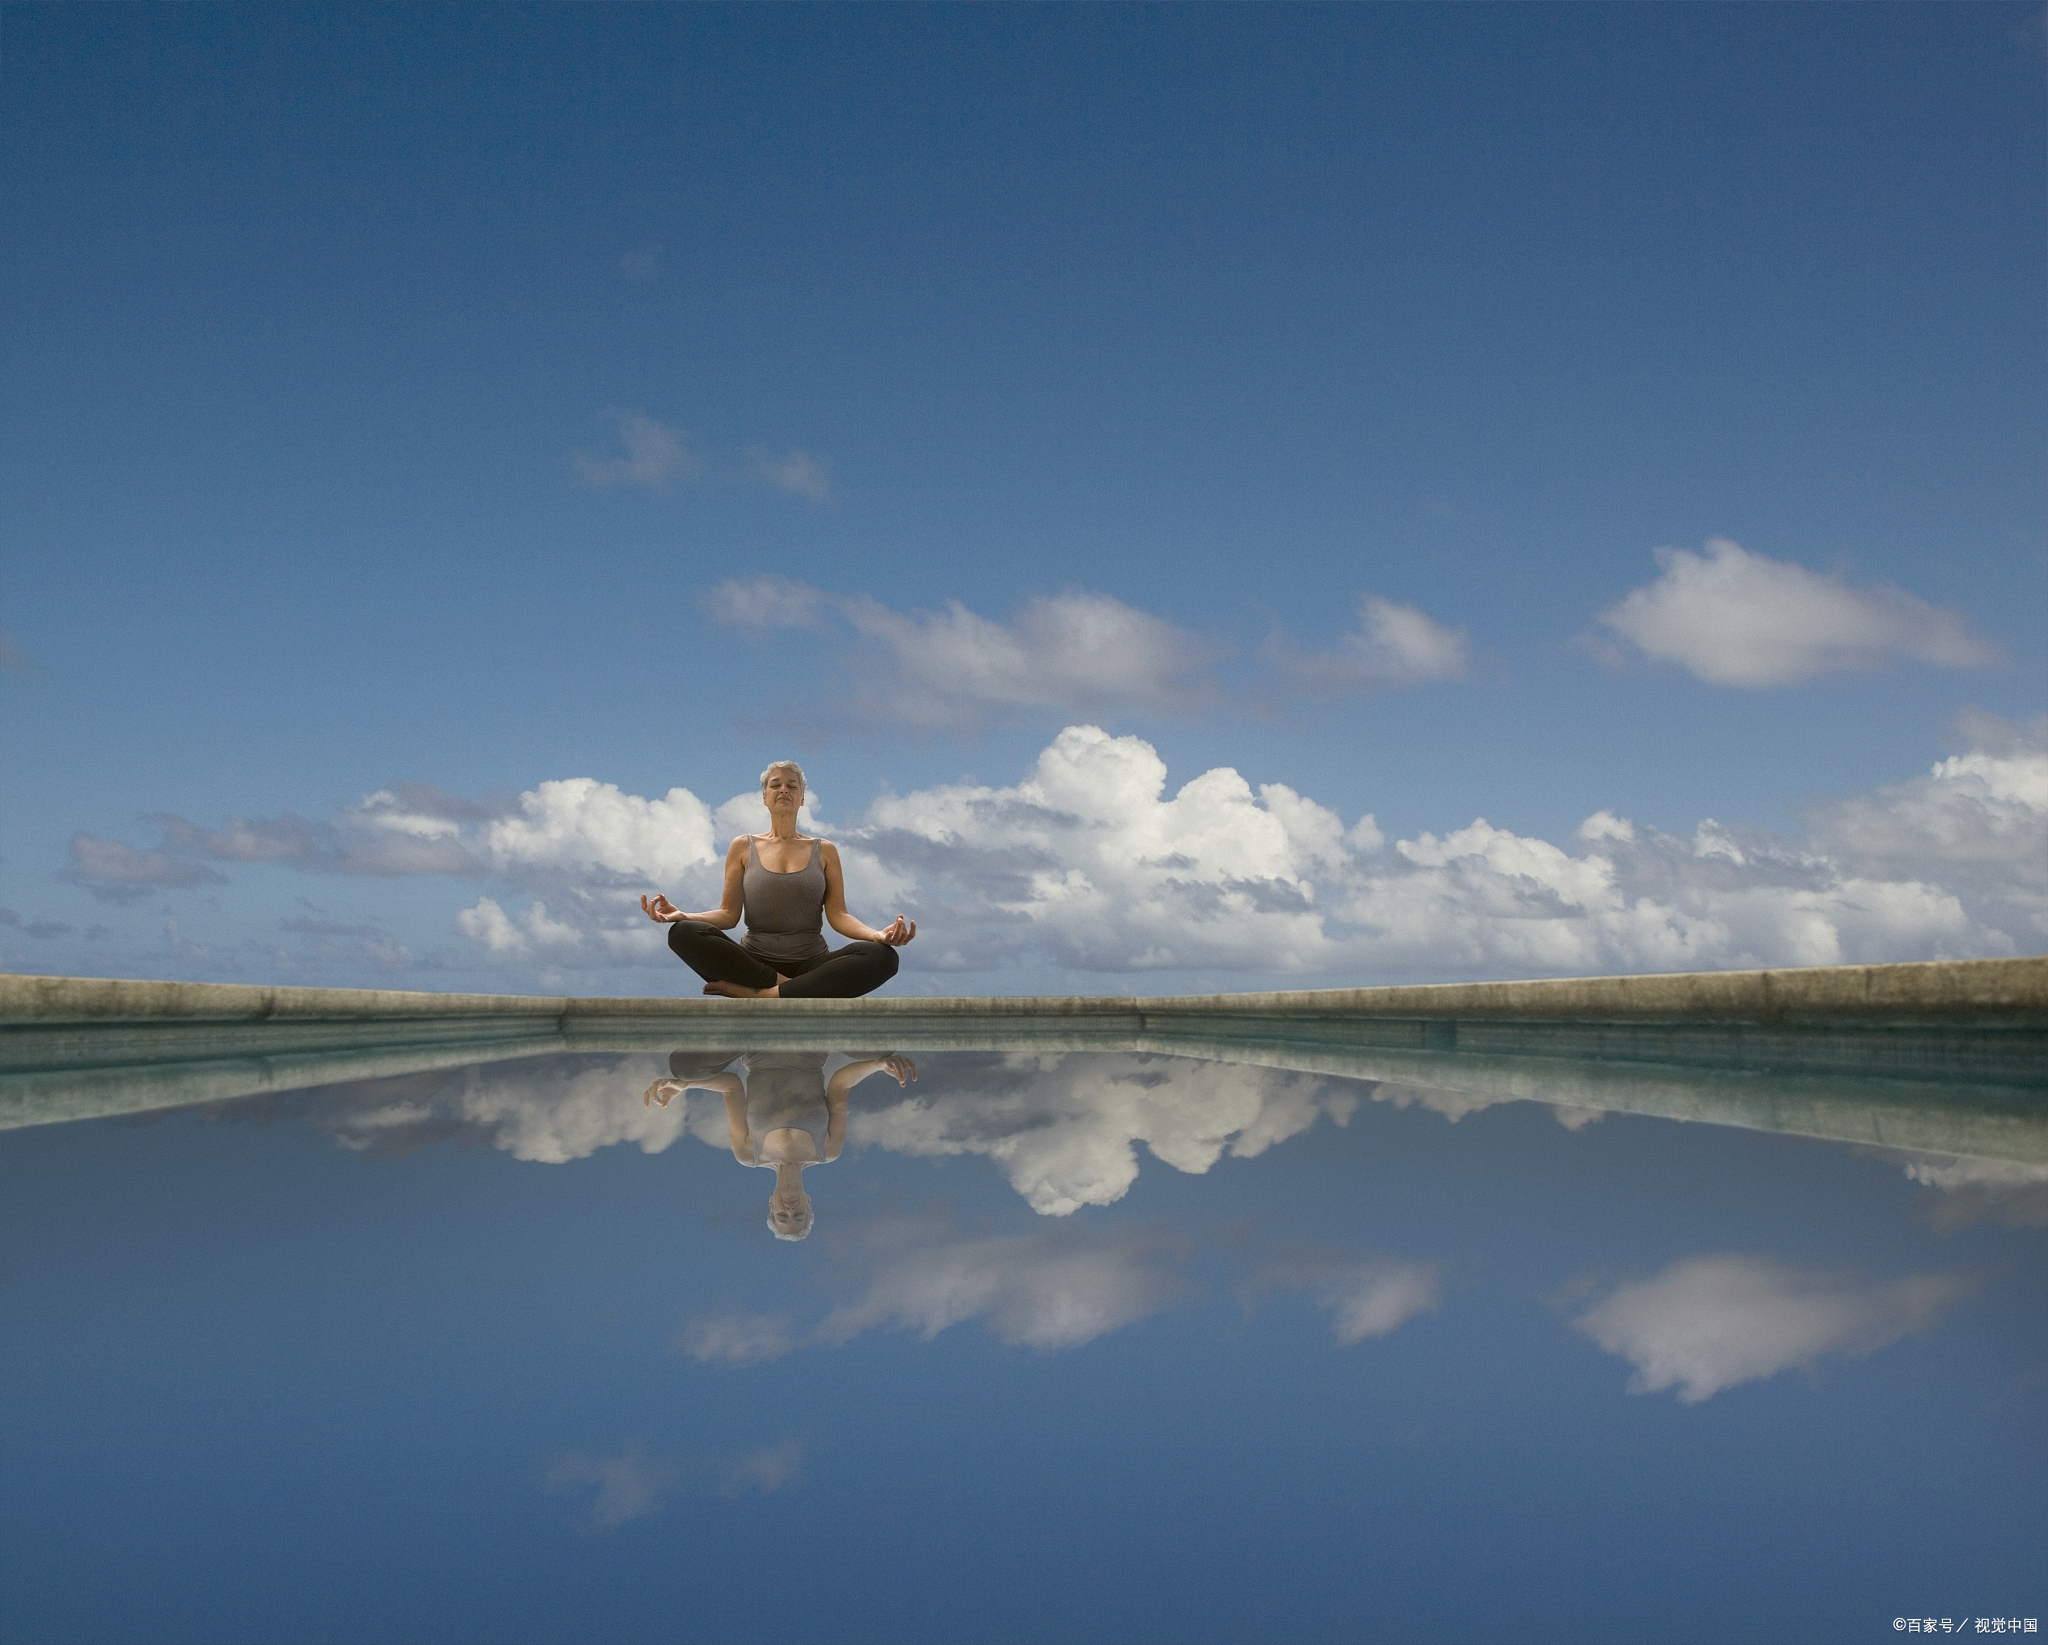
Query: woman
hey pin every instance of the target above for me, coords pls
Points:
(785, 1115)
(784, 882)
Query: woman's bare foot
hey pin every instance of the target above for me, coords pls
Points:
(733, 991)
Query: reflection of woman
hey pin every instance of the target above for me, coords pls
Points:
(784, 882)
(785, 1115)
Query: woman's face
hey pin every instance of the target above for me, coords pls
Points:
(789, 1212)
(782, 793)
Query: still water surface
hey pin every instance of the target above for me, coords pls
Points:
(1089, 1345)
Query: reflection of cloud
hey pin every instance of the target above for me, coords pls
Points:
(764, 1471)
(655, 455)
(629, 1486)
(1050, 1289)
(1367, 1296)
(1735, 618)
(1065, 1129)
(543, 1109)
(1974, 1189)
(1709, 1323)
(736, 1339)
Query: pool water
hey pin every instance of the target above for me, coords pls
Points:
(1079, 1345)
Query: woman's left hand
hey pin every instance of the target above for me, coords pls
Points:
(898, 934)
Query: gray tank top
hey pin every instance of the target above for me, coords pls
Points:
(785, 912)
(786, 1089)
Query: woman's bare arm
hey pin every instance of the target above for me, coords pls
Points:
(901, 1069)
(844, 923)
(727, 914)
(662, 1092)
(736, 1121)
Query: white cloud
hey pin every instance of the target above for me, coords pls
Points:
(1091, 863)
(1709, 1323)
(592, 829)
(1365, 1296)
(765, 602)
(119, 873)
(1730, 617)
(655, 455)
(797, 472)
(950, 669)
(1392, 647)
(764, 1471)
(629, 1485)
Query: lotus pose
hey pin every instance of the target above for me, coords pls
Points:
(783, 881)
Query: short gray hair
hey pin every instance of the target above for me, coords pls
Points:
(785, 765)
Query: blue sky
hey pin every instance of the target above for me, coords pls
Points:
(414, 403)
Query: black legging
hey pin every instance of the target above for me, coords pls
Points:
(844, 974)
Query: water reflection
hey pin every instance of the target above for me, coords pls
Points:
(1119, 1289)
(781, 1113)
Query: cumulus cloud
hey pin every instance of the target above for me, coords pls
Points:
(1093, 863)
(630, 1485)
(796, 472)
(951, 669)
(1393, 646)
(655, 455)
(1365, 1296)
(1710, 1323)
(1730, 617)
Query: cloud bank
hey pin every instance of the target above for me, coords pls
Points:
(1730, 617)
(1091, 863)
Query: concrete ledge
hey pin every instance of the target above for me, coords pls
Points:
(1982, 992)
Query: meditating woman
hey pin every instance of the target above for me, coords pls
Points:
(783, 881)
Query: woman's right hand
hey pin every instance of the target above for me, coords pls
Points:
(662, 910)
